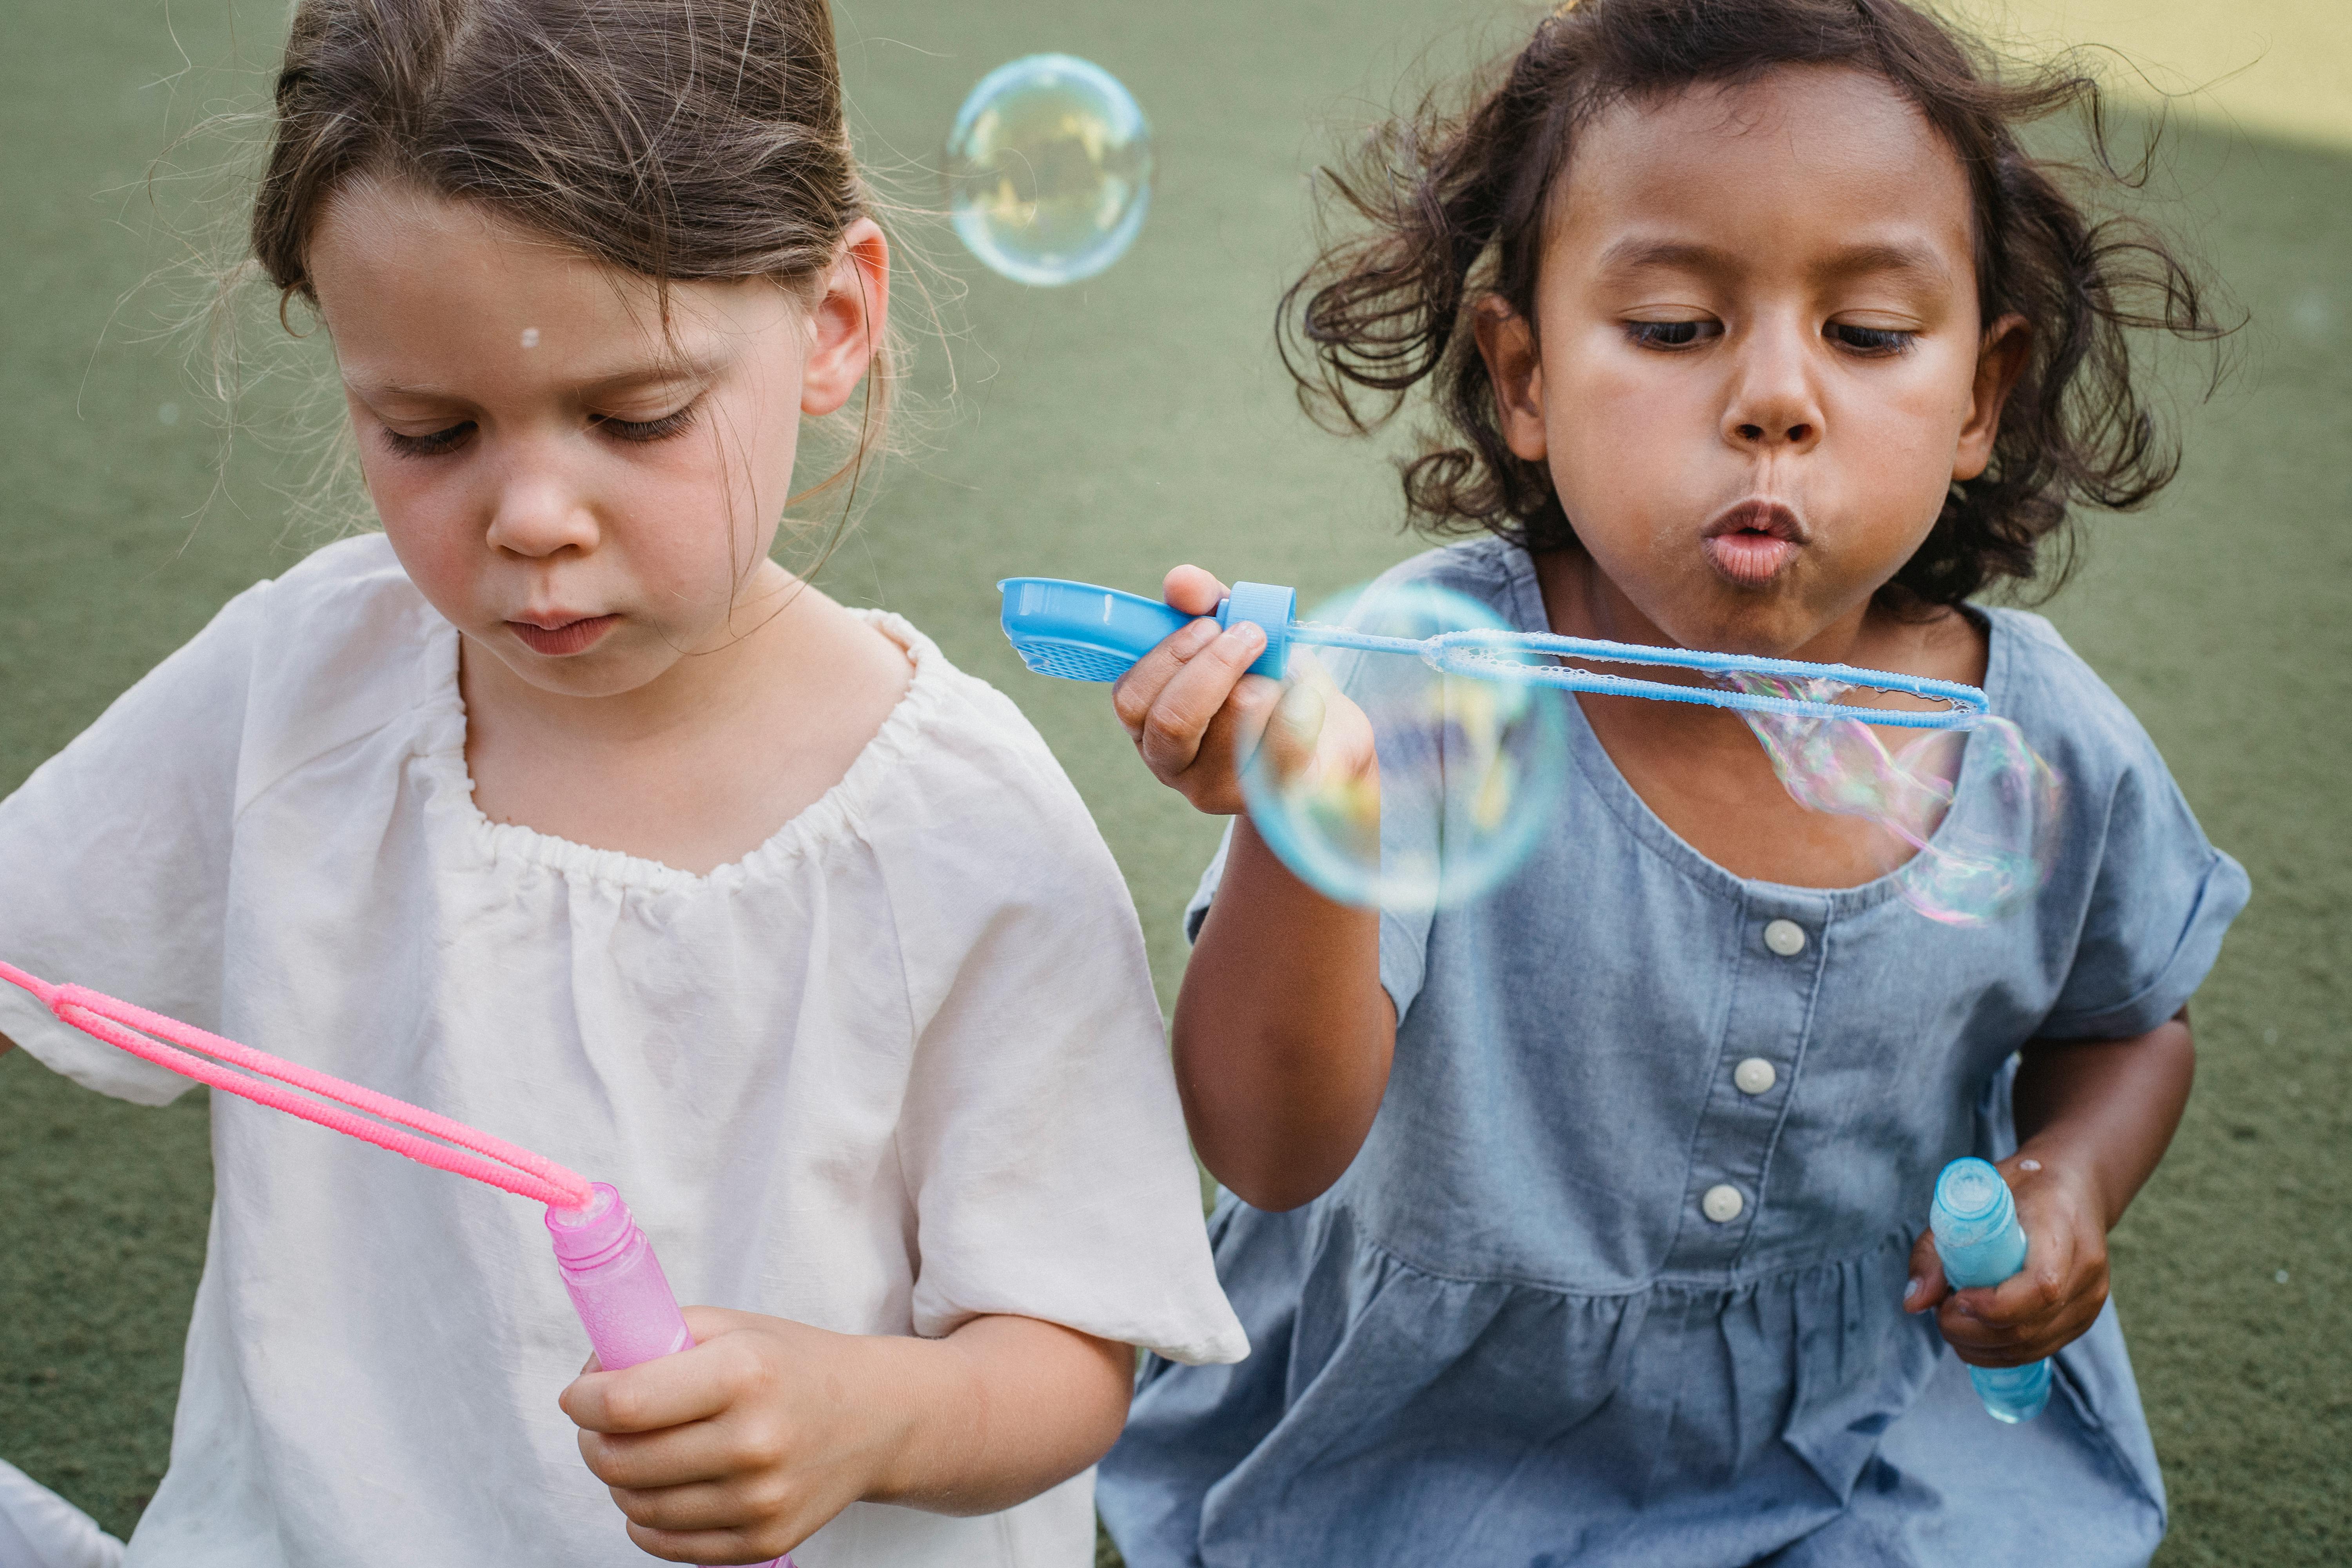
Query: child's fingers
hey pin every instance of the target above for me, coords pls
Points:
(700, 1506)
(1292, 729)
(1192, 591)
(706, 1451)
(1231, 738)
(1928, 1286)
(704, 1546)
(1981, 1343)
(1139, 687)
(1173, 730)
(2026, 1313)
(714, 1548)
(2033, 1313)
(691, 1386)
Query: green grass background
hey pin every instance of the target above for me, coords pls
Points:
(1103, 432)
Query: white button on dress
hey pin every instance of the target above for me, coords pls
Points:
(1754, 1075)
(1786, 938)
(1722, 1203)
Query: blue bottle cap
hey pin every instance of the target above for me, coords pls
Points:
(1273, 608)
(1972, 1205)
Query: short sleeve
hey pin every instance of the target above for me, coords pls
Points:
(114, 858)
(1041, 1137)
(2159, 903)
(2146, 896)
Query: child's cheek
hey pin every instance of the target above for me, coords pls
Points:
(1895, 437)
(1629, 440)
(446, 565)
(437, 521)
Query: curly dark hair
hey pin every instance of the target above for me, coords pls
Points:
(1444, 207)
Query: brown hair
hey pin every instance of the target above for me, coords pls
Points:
(679, 140)
(1449, 205)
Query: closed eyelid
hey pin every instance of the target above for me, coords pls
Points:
(648, 412)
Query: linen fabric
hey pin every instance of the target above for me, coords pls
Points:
(1511, 1333)
(899, 1067)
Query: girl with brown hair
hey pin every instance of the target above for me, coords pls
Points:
(1583, 1224)
(560, 808)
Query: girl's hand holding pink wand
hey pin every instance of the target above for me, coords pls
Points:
(737, 1450)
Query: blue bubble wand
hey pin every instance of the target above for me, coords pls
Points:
(1075, 631)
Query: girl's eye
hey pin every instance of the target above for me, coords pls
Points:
(1870, 340)
(1672, 334)
(431, 445)
(668, 425)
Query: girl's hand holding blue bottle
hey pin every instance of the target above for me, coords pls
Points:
(2093, 1116)
(1197, 717)
(2047, 1303)
(737, 1450)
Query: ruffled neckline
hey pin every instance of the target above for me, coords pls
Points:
(835, 815)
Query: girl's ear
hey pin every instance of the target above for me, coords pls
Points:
(1508, 343)
(849, 320)
(2000, 360)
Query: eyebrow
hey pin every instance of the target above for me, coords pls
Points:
(685, 368)
(1637, 255)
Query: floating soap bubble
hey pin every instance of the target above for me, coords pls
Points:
(1470, 769)
(1972, 814)
(1049, 170)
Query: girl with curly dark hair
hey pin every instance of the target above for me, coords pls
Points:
(1583, 1224)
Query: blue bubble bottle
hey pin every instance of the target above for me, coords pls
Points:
(1974, 1219)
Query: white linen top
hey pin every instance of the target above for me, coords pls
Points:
(899, 1067)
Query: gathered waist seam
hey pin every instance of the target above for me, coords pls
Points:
(1905, 1238)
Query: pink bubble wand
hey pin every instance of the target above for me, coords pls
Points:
(609, 1270)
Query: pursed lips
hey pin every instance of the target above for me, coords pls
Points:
(1754, 541)
(557, 634)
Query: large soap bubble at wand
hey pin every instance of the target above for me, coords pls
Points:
(1470, 766)
(1049, 170)
(1971, 813)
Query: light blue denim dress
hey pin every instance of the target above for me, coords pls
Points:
(1512, 1333)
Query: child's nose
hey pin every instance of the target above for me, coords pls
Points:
(535, 514)
(1773, 404)
(1795, 434)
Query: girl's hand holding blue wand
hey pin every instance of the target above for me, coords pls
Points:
(1196, 717)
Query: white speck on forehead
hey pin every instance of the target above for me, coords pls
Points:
(530, 337)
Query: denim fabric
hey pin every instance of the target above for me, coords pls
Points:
(1510, 1333)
